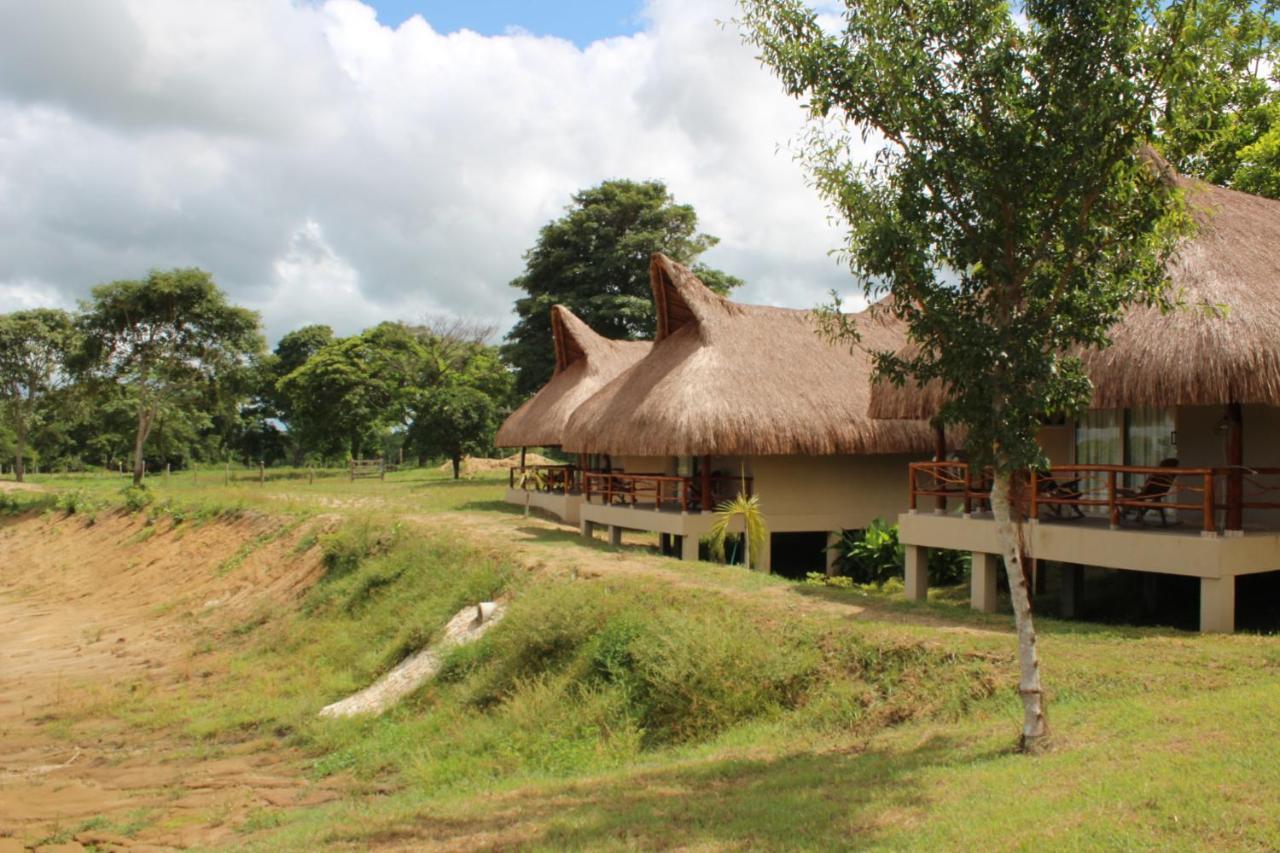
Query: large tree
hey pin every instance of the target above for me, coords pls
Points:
(1008, 208)
(171, 339)
(353, 389)
(595, 260)
(455, 420)
(1220, 113)
(34, 347)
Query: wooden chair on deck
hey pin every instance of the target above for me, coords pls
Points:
(1049, 488)
(1152, 495)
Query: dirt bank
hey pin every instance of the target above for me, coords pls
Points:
(86, 609)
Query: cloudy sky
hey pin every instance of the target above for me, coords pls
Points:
(347, 162)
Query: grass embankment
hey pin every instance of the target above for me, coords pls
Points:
(646, 702)
(581, 677)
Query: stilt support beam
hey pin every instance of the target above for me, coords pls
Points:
(917, 575)
(1218, 605)
(982, 582)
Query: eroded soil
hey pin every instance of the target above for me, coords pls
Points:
(88, 609)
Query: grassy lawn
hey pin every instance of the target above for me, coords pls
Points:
(630, 700)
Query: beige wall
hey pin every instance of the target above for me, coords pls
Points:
(1200, 444)
(815, 493)
(1058, 443)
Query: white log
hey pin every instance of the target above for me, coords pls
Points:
(468, 625)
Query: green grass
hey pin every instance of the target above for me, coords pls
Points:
(286, 492)
(731, 709)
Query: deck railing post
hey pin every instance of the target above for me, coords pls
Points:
(1113, 511)
(968, 489)
(684, 494)
(1210, 524)
(1035, 498)
(911, 487)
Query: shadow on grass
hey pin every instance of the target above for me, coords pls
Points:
(493, 506)
(808, 800)
(951, 604)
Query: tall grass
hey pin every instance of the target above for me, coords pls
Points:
(580, 676)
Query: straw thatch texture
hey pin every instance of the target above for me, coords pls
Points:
(585, 362)
(731, 379)
(1191, 356)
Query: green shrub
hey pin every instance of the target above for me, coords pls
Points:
(74, 501)
(137, 498)
(875, 556)
(347, 547)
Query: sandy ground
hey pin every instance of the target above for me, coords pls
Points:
(82, 607)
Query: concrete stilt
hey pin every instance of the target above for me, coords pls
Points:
(688, 547)
(1072, 598)
(765, 563)
(615, 535)
(833, 539)
(587, 529)
(917, 574)
(982, 582)
(1218, 604)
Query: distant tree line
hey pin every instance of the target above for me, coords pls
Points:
(166, 371)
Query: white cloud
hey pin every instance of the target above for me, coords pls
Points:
(326, 168)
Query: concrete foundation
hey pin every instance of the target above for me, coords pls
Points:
(982, 582)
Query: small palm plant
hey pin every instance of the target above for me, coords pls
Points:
(530, 479)
(748, 508)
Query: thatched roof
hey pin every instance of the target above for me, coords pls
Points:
(585, 362)
(1191, 356)
(731, 379)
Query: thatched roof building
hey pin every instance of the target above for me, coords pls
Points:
(585, 362)
(731, 379)
(1192, 356)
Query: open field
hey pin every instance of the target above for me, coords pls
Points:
(164, 667)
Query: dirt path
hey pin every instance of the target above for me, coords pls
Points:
(84, 608)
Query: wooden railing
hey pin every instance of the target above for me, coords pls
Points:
(561, 479)
(661, 491)
(1117, 491)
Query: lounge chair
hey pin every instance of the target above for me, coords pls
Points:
(1050, 488)
(1152, 494)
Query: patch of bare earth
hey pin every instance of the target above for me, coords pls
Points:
(88, 610)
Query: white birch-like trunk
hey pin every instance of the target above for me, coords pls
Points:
(1035, 726)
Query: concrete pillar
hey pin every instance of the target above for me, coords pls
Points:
(1072, 597)
(615, 535)
(688, 547)
(982, 582)
(1218, 604)
(833, 539)
(587, 529)
(917, 579)
(766, 559)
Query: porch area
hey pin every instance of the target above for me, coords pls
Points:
(553, 489)
(1214, 524)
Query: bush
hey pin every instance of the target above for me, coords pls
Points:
(73, 502)
(873, 555)
(876, 556)
(347, 547)
(137, 498)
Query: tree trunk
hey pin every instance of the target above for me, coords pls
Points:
(20, 462)
(457, 466)
(145, 415)
(1035, 726)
